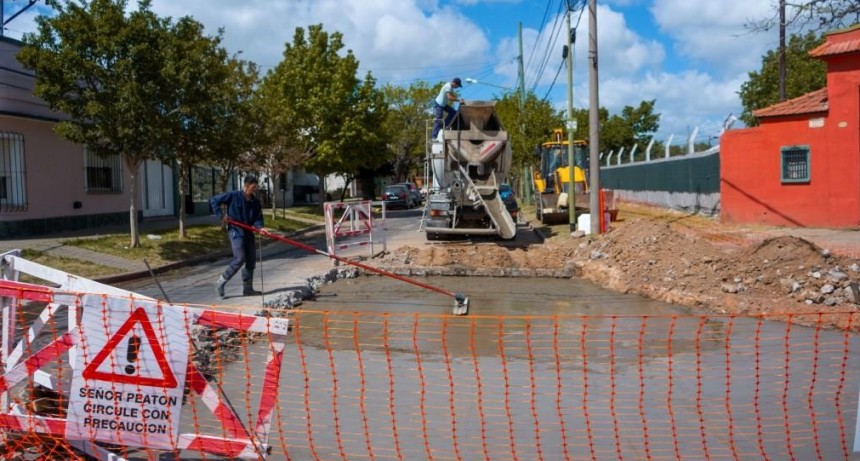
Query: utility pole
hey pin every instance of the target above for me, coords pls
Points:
(782, 50)
(527, 178)
(593, 121)
(571, 188)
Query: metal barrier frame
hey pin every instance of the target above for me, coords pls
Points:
(356, 221)
(15, 367)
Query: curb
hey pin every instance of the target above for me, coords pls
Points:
(136, 275)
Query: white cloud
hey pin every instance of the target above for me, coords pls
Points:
(714, 32)
(692, 62)
(684, 100)
(397, 40)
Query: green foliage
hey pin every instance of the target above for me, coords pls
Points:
(528, 126)
(199, 113)
(634, 126)
(104, 69)
(327, 117)
(803, 74)
(407, 126)
(237, 135)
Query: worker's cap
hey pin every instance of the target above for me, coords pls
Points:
(457, 82)
(250, 179)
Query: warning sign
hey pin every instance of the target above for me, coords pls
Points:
(129, 384)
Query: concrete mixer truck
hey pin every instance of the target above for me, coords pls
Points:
(468, 161)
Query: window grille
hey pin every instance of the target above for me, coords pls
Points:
(13, 191)
(203, 181)
(795, 164)
(102, 174)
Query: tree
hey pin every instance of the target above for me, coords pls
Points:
(103, 68)
(634, 126)
(237, 136)
(804, 74)
(406, 125)
(326, 115)
(528, 126)
(813, 15)
(200, 76)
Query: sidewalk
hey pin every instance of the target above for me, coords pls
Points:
(126, 269)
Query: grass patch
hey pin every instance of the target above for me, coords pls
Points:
(279, 223)
(86, 269)
(307, 211)
(158, 248)
(164, 247)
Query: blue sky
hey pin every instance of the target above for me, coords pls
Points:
(691, 56)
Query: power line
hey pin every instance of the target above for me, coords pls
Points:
(542, 24)
(570, 52)
(551, 44)
(557, 73)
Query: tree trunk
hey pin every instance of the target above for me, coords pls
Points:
(270, 186)
(322, 192)
(180, 183)
(133, 167)
(347, 181)
(223, 178)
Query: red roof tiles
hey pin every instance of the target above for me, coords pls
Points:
(839, 42)
(809, 103)
(833, 48)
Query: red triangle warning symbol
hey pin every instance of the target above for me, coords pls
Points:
(139, 316)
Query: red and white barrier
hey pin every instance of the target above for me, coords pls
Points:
(129, 362)
(354, 227)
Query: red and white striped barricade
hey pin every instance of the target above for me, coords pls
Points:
(127, 358)
(354, 226)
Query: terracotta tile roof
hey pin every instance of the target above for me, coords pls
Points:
(807, 104)
(839, 42)
(833, 48)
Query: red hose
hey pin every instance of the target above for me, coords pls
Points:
(311, 249)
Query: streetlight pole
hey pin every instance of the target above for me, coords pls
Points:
(527, 177)
(571, 188)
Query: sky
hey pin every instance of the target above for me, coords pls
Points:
(690, 56)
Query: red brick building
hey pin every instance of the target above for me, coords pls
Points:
(801, 165)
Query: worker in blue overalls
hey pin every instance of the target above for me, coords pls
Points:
(244, 207)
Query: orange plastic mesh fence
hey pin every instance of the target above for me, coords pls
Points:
(356, 386)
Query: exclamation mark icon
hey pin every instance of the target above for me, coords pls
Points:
(131, 353)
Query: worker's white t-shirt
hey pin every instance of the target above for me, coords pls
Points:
(442, 98)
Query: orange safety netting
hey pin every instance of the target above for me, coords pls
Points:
(358, 386)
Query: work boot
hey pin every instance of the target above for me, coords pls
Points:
(220, 286)
(248, 289)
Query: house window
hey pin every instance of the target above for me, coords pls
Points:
(13, 195)
(795, 164)
(103, 174)
(202, 183)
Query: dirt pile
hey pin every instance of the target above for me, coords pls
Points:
(659, 260)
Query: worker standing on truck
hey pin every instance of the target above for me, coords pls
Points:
(243, 207)
(442, 104)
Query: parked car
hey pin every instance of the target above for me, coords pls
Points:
(507, 195)
(414, 192)
(397, 196)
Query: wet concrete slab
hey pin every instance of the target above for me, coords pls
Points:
(551, 369)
